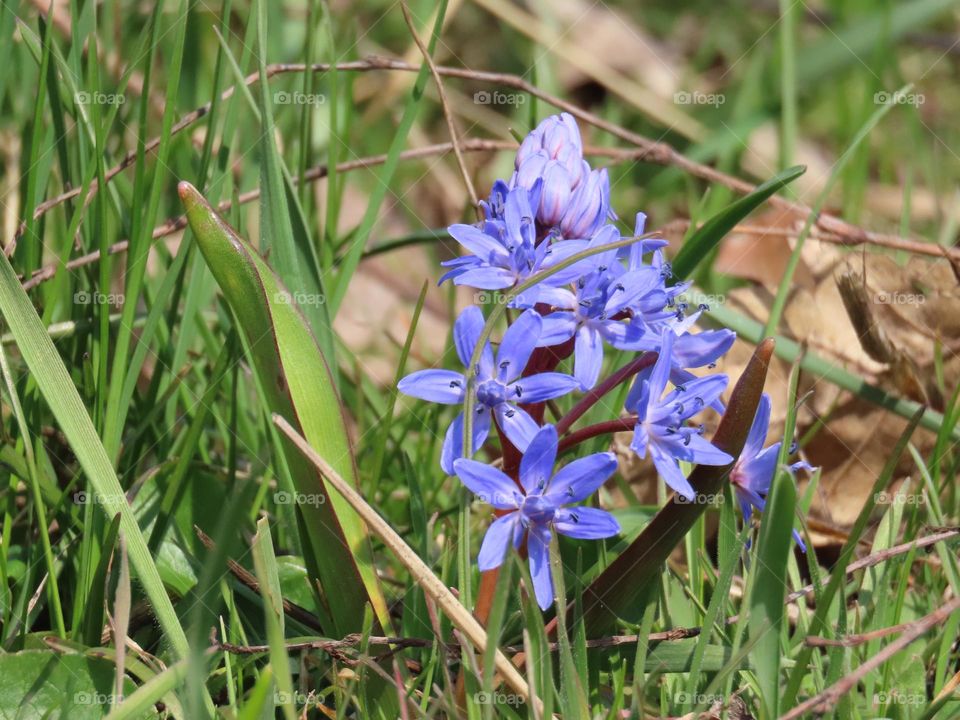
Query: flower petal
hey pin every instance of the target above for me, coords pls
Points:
(756, 473)
(758, 430)
(496, 541)
(557, 327)
(516, 424)
(661, 369)
(556, 296)
(486, 278)
(588, 357)
(453, 440)
(541, 387)
(622, 335)
(466, 334)
(487, 483)
(586, 523)
(580, 479)
(439, 386)
(630, 287)
(696, 350)
(538, 549)
(536, 465)
(560, 251)
(697, 394)
(518, 344)
(693, 448)
(479, 243)
(670, 472)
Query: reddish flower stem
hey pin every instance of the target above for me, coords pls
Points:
(590, 399)
(607, 427)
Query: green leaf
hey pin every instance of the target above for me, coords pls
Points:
(298, 385)
(43, 683)
(284, 233)
(708, 236)
(677, 657)
(352, 258)
(265, 564)
(770, 585)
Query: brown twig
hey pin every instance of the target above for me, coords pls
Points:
(173, 225)
(825, 700)
(855, 640)
(245, 577)
(444, 103)
(875, 559)
(400, 643)
(651, 151)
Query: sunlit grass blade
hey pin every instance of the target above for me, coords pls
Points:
(705, 238)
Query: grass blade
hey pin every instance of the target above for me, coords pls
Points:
(708, 236)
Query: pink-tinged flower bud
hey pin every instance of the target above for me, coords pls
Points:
(574, 163)
(531, 169)
(588, 207)
(555, 195)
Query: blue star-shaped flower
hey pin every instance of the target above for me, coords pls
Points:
(661, 427)
(538, 509)
(753, 472)
(498, 384)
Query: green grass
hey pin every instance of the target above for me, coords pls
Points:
(139, 390)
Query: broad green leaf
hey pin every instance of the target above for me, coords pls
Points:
(707, 236)
(677, 657)
(51, 685)
(298, 386)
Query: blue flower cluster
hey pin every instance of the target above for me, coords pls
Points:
(555, 207)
